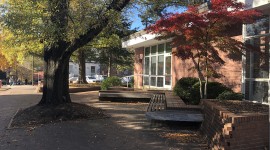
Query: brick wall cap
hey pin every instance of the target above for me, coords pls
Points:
(230, 114)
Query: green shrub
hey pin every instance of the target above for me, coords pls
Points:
(109, 82)
(4, 82)
(229, 95)
(183, 88)
(189, 90)
(213, 89)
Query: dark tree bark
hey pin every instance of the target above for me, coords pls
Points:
(81, 58)
(55, 86)
(57, 54)
(109, 65)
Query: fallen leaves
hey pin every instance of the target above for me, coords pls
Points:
(185, 137)
(236, 106)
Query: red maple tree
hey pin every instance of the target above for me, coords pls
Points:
(201, 36)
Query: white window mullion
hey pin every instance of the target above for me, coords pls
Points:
(243, 88)
(150, 66)
(143, 67)
(164, 65)
(156, 65)
(243, 74)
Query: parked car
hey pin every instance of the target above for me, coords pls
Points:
(100, 78)
(91, 79)
(73, 79)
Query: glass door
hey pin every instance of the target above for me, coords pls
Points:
(168, 76)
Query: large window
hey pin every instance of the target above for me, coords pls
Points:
(256, 62)
(157, 66)
(93, 70)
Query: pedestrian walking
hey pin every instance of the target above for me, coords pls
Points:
(19, 82)
(11, 81)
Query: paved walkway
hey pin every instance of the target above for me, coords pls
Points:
(126, 129)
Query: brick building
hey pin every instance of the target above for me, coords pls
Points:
(156, 68)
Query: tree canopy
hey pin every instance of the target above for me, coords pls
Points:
(62, 27)
(3, 62)
(109, 46)
(152, 10)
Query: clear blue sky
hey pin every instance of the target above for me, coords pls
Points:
(137, 21)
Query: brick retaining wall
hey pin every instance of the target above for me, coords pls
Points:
(229, 131)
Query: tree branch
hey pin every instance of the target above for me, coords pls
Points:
(93, 31)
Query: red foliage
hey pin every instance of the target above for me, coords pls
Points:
(199, 35)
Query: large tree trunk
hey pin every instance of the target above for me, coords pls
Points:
(206, 75)
(81, 58)
(55, 86)
(206, 82)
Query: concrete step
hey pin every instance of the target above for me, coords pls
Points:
(175, 115)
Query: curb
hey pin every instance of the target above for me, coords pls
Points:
(4, 89)
(11, 120)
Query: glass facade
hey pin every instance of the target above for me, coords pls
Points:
(256, 61)
(153, 63)
(260, 27)
(157, 66)
(160, 65)
(168, 69)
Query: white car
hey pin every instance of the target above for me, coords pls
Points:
(90, 79)
(100, 78)
(95, 78)
(73, 79)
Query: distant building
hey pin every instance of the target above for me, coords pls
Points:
(90, 69)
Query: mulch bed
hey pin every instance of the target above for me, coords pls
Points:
(39, 115)
(236, 106)
(85, 85)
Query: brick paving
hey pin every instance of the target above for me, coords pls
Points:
(173, 101)
(176, 103)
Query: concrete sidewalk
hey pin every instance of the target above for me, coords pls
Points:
(127, 129)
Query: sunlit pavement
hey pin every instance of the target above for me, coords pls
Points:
(18, 89)
(126, 129)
